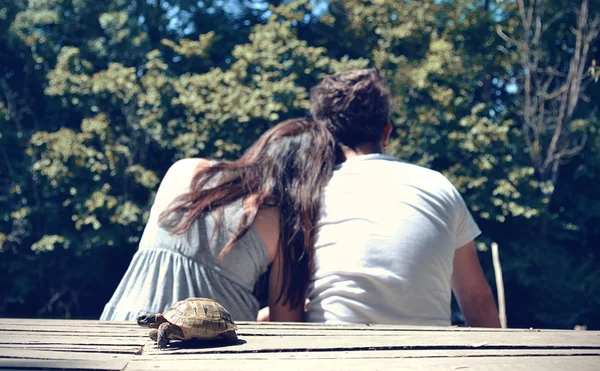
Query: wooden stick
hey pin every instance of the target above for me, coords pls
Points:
(499, 285)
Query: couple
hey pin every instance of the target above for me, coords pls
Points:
(364, 237)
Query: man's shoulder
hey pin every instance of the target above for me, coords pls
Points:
(403, 166)
(395, 169)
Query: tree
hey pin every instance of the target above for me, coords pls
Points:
(552, 88)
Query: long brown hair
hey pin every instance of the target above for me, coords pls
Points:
(287, 167)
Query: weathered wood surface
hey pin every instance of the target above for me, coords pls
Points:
(94, 345)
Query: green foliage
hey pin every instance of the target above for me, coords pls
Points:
(99, 98)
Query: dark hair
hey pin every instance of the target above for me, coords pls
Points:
(354, 105)
(287, 167)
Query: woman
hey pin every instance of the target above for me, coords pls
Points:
(215, 227)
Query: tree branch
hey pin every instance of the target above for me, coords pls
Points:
(550, 97)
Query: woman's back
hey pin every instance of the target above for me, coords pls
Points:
(215, 227)
(170, 267)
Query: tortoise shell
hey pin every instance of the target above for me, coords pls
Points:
(201, 318)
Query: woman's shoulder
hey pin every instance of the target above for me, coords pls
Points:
(189, 164)
(181, 172)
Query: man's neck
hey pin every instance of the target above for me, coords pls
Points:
(361, 149)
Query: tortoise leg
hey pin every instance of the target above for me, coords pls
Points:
(162, 335)
(153, 334)
(165, 332)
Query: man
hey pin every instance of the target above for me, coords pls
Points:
(394, 238)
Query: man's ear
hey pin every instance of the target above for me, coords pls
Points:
(387, 131)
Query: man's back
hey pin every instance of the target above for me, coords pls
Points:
(386, 243)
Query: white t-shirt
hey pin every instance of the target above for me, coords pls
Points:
(385, 244)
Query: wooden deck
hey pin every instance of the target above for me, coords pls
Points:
(95, 345)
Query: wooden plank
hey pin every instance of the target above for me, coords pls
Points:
(67, 334)
(137, 330)
(378, 327)
(242, 331)
(59, 354)
(575, 339)
(364, 354)
(11, 323)
(77, 330)
(115, 336)
(236, 357)
(580, 363)
(143, 333)
(110, 365)
(62, 322)
(112, 349)
(71, 352)
(66, 328)
(70, 339)
(274, 331)
(399, 341)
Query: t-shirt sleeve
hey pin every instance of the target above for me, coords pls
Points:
(465, 228)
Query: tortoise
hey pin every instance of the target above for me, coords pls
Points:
(192, 318)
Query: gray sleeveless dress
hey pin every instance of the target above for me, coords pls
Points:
(168, 268)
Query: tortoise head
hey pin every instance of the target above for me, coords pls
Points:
(150, 320)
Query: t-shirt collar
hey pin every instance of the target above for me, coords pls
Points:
(367, 157)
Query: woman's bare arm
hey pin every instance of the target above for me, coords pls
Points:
(267, 226)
